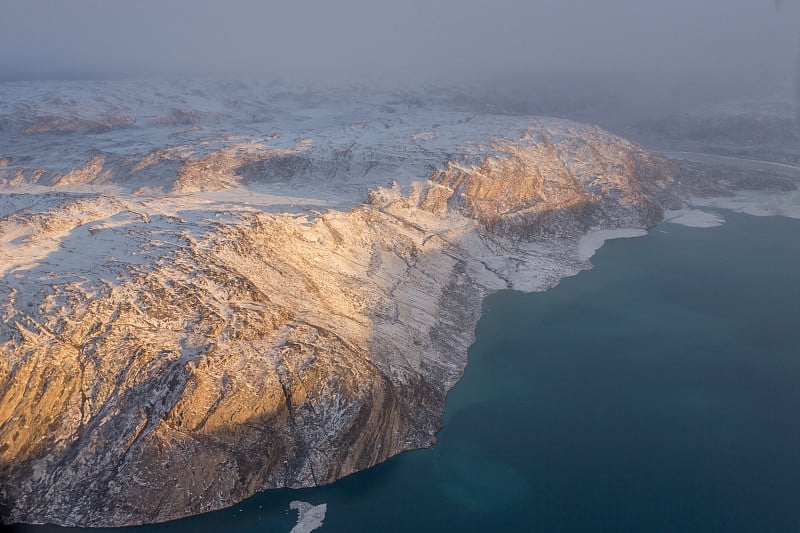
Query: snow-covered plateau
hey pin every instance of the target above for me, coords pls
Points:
(211, 289)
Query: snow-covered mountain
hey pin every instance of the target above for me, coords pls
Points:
(211, 289)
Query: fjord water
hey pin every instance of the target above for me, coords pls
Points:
(659, 391)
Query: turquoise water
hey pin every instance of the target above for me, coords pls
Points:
(659, 391)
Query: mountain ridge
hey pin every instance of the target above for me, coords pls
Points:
(251, 316)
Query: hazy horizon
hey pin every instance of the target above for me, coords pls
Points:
(468, 40)
(612, 64)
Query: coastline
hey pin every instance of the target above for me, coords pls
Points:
(338, 504)
(473, 245)
(227, 336)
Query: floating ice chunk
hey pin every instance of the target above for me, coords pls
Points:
(309, 516)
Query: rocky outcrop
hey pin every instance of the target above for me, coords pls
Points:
(564, 187)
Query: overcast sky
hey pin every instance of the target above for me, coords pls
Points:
(404, 40)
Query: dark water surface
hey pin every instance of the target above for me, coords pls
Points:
(659, 391)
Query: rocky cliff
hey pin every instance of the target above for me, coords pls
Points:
(183, 325)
